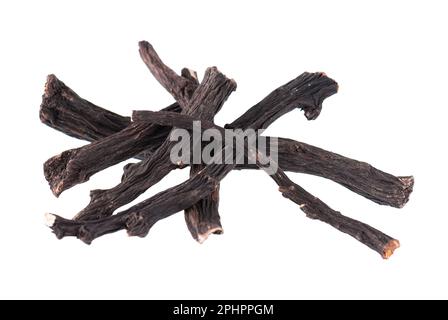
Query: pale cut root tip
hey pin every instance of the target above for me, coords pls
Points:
(50, 219)
(204, 236)
(407, 181)
(193, 74)
(389, 248)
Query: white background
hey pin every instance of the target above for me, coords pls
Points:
(389, 59)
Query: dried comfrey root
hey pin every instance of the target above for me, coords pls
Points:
(114, 138)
